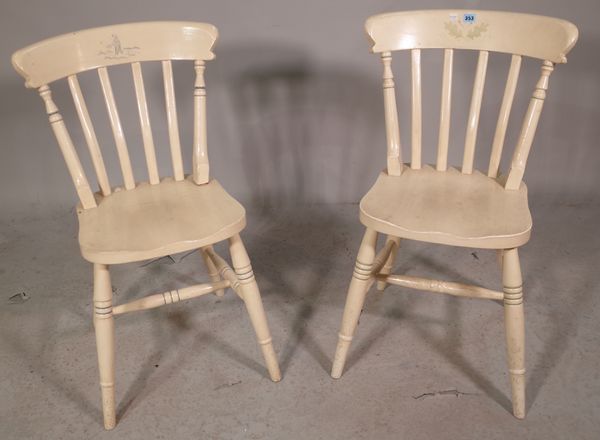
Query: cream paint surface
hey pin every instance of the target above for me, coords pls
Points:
(448, 207)
(295, 116)
(155, 220)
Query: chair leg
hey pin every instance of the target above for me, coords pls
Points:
(212, 271)
(389, 263)
(105, 341)
(360, 283)
(515, 328)
(499, 257)
(243, 270)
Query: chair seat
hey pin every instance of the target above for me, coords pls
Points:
(470, 210)
(152, 221)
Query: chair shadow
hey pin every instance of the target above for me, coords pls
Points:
(363, 345)
(304, 128)
(449, 345)
(565, 319)
(19, 343)
(287, 254)
(563, 328)
(169, 327)
(167, 330)
(287, 107)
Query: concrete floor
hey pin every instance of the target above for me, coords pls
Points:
(422, 365)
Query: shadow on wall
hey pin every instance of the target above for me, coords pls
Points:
(306, 134)
(25, 159)
(282, 131)
(565, 156)
(287, 129)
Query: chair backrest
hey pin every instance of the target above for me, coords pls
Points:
(67, 55)
(544, 38)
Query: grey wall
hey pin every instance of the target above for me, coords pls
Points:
(295, 107)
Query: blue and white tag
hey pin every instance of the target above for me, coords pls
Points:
(469, 18)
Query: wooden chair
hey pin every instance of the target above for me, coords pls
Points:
(150, 219)
(441, 204)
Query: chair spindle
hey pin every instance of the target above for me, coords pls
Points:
(416, 137)
(140, 94)
(532, 117)
(444, 133)
(117, 129)
(90, 135)
(172, 120)
(474, 112)
(505, 107)
(394, 150)
(200, 163)
(86, 196)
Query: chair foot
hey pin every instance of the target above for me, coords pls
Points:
(361, 280)
(514, 320)
(341, 353)
(270, 359)
(253, 301)
(108, 406)
(517, 381)
(105, 341)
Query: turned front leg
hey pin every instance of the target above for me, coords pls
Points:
(362, 278)
(515, 328)
(252, 299)
(105, 341)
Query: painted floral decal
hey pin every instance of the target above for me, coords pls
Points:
(459, 30)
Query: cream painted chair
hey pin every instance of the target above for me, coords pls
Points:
(445, 205)
(143, 220)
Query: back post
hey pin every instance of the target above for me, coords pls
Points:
(85, 193)
(200, 164)
(530, 122)
(392, 129)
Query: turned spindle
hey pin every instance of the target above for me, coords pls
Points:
(530, 123)
(85, 193)
(392, 129)
(200, 165)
